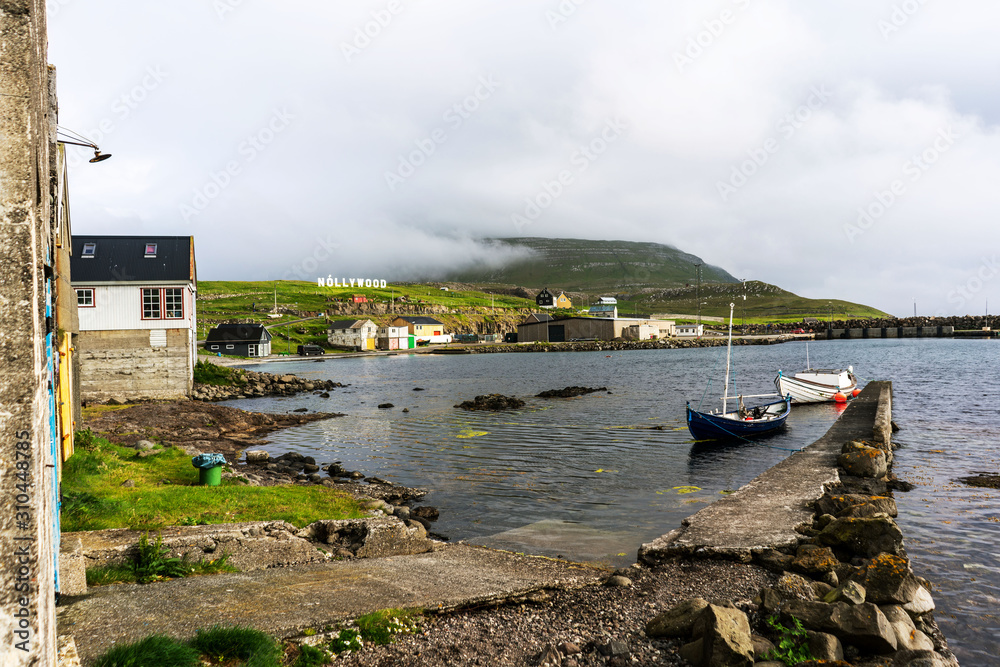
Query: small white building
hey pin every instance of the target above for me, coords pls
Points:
(689, 330)
(607, 301)
(357, 334)
(136, 302)
(393, 338)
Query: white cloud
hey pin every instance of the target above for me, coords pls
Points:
(687, 129)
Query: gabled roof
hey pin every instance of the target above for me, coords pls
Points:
(348, 324)
(537, 317)
(123, 259)
(238, 333)
(420, 320)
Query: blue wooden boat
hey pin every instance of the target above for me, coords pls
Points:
(731, 425)
(742, 423)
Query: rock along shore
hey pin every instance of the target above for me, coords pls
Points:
(621, 345)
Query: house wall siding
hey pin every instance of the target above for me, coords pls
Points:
(124, 365)
(118, 307)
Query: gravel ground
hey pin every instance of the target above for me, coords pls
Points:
(517, 632)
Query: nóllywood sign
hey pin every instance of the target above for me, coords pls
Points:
(330, 281)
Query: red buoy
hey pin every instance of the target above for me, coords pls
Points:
(839, 398)
(855, 393)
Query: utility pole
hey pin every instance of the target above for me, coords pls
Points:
(698, 294)
(743, 326)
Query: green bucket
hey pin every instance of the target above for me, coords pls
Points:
(210, 476)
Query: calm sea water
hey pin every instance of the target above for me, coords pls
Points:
(588, 478)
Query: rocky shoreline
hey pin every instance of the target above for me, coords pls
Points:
(622, 345)
(257, 384)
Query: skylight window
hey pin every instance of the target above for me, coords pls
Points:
(150, 250)
(88, 250)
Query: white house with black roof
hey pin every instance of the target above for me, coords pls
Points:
(136, 303)
(244, 340)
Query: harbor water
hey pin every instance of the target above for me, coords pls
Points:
(593, 477)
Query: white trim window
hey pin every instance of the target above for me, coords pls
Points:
(85, 297)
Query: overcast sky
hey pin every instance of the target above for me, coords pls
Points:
(844, 149)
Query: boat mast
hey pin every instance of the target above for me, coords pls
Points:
(729, 350)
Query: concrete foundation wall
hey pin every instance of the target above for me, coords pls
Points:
(27, 534)
(123, 365)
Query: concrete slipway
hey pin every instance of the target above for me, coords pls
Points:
(284, 601)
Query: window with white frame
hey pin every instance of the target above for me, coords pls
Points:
(88, 250)
(85, 298)
(150, 250)
(164, 303)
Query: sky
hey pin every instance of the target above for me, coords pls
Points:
(839, 150)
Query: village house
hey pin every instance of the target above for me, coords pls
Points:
(544, 299)
(603, 310)
(136, 302)
(355, 334)
(689, 330)
(394, 338)
(563, 301)
(542, 328)
(241, 340)
(423, 329)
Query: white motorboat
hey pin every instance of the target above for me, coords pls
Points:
(818, 385)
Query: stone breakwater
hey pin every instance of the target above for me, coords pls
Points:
(257, 384)
(620, 345)
(846, 577)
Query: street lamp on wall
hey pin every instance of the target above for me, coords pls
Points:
(80, 140)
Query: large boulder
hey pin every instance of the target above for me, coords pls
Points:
(814, 560)
(863, 461)
(824, 646)
(863, 625)
(676, 621)
(854, 504)
(722, 639)
(907, 635)
(887, 579)
(866, 536)
(795, 587)
(851, 592)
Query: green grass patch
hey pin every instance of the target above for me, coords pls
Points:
(252, 647)
(208, 373)
(311, 656)
(379, 627)
(166, 493)
(153, 651)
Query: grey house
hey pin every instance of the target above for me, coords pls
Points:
(244, 340)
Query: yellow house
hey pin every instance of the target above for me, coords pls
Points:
(562, 301)
(420, 326)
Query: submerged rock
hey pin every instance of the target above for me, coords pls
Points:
(492, 402)
(570, 392)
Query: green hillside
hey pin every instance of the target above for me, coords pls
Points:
(595, 266)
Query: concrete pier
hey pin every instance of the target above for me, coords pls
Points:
(764, 514)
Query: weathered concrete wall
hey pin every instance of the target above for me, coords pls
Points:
(260, 545)
(123, 365)
(27, 588)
